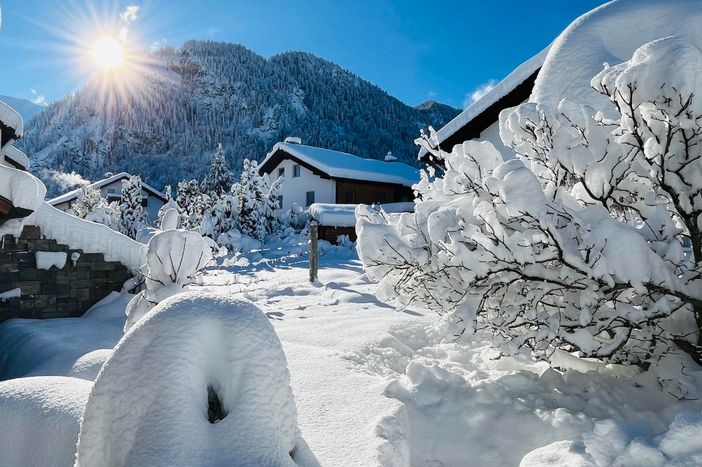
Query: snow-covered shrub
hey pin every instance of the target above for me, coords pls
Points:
(578, 244)
(173, 259)
(201, 380)
(218, 179)
(167, 210)
(89, 199)
(132, 216)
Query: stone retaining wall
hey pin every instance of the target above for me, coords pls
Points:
(53, 293)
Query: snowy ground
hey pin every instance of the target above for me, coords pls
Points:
(374, 386)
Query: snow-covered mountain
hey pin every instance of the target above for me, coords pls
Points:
(166, 123)
(27, 109)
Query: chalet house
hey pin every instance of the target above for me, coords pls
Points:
(317, 175)
(481, 119)
(111, 189)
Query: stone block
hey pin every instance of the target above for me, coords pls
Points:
(29, 287)
(30, 274)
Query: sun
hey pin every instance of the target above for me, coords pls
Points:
(108, 53)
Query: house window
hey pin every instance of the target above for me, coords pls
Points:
(350, 196)
(280, 201)
(145, 201)
(281, 172)
(296, 170)
(310, 198)
(379, 198)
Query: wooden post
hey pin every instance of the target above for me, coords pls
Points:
(314, 254)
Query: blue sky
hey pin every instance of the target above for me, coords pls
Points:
(442, 50)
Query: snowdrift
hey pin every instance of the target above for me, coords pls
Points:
(40, 420)
(200, 380)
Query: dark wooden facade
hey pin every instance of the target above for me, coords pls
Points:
(362, 192)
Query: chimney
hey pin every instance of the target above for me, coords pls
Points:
(293, 140)
(390, 158)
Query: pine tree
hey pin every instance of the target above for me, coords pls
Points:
(218, 179)
(132, 216)
(190, 204)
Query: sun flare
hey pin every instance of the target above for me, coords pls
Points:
(108, 53)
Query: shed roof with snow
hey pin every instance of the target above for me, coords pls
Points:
(71, 195)
(511, 91)
(327, 163)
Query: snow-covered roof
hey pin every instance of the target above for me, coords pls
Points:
(71, 195)
(14, 156)
(501, 90)
(10, 119)
(337, 164)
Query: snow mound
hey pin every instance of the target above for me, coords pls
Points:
(200, 380)
(616, 443)
(40, 420)
(48, 259)
(610, 33)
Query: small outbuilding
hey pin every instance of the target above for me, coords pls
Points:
(111, 189)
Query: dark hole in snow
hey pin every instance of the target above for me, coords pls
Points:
(215, 411)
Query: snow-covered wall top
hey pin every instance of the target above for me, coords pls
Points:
(11, 118)
(338, 164)
(90, 237)
(344, 215)
(610, 33)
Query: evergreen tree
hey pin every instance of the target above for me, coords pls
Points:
(218, 179)
(190, 203)
(252, 191)
(132, 216)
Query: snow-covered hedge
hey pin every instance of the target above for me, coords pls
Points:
(579, 243)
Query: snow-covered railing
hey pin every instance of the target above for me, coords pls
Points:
(10, 119)
(88, 236)
(344, 215)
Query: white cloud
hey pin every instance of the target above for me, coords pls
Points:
(37, 98)
(129, 15)
(479, 92)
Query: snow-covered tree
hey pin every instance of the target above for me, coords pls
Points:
(191, 203)
(132, 216)
(89, 198)
(218, 179)
(580, 243)
(251, 191)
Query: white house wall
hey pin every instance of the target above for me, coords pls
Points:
(295, 189)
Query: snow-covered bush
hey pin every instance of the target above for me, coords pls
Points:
(167, 211)
(201, 380)
(132, 216)
(173, 259)
(579, 243)
(89, 199)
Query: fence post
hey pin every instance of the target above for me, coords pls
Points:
(314, 254)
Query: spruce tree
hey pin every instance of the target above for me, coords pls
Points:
(89, 199)
(132, 216)
(218, 179)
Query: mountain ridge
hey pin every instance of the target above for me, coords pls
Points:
(204, 92)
